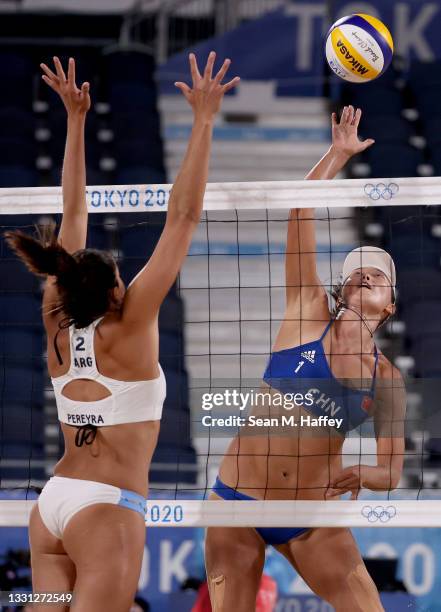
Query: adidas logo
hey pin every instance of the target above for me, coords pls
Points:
(309, 355)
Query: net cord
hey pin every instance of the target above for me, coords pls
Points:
(235, 196)
(213, 513)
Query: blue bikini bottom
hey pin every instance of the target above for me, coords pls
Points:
(270, 535)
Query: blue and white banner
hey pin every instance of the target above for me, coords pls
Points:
(407, 191)
(174, 554)
(287, 45)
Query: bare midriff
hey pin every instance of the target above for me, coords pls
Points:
(300, 464)
(120, 455)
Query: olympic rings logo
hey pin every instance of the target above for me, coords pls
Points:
(381, 191)
(379, 513)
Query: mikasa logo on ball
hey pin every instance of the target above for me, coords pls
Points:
(355, 64)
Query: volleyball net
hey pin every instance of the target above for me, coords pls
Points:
(218, 327)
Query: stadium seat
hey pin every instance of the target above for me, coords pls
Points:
(375, 100)
(98, 237)
(173, 426)
(424, 73)
(17, 123)
(427, 101)
(171, 315)
(423, 319)
(177, 388)
(425, 83)
(17, 75)
(16, 64)
(129, 66)
(418, 285)
(25, 223)
(18, 176)
(181, 460)
(405, 220)
(15, 450)
(129, 268)
(139, 126)
(435, 157)
(21, 340)
(94, 151)
(138, 152)
(23, 309)
(136, 96)
(26, 473)
(14, 276)
(171, 351)
(16, 152)
(411, 253)
(393, 160)
(24, 461)
(22, 380)
(433, 448)
(137, 241)
(428, 357)
(139, 174)
(22, 423)
(431, 127)
(387, 129)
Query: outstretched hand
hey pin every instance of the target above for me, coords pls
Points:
(345, 133)
(76, 101)
(206, 95)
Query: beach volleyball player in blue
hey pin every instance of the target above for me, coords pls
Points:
(333, 360)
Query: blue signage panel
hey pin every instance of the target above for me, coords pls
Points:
(174, 554)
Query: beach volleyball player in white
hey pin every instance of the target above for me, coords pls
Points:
(359, 48)
(87, 532)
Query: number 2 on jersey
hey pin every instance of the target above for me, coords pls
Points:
(80, 344)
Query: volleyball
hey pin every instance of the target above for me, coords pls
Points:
(359, 48)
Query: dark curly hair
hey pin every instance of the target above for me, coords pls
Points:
(85, 280)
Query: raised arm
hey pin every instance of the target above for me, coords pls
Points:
(73, 230)
(301, 270)
(149, 288)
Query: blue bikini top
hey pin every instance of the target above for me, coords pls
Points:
(304, 369)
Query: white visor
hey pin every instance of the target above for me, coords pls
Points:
(370, 257)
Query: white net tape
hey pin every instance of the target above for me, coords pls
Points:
(235, 196)
(209, 513)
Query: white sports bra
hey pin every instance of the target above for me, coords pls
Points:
(128, 402)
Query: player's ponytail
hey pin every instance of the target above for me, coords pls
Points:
(42, 255)
(85, 280)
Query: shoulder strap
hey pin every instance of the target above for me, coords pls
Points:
(327, 328)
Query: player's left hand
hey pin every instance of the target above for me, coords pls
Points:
(348, 480)
(345, 133)
(76, 101)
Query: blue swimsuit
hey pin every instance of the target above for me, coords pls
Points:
(305, 369)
